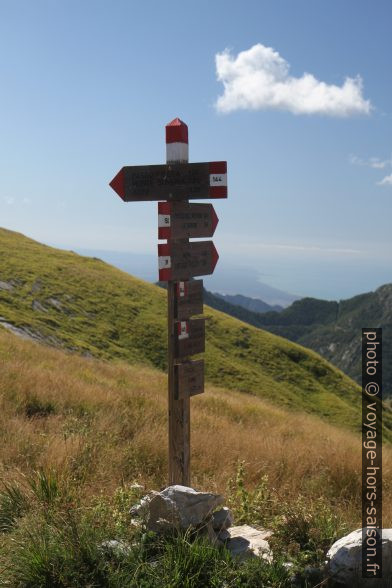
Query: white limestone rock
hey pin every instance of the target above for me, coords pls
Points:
(246, 541)
(177, 507)
(344, 560)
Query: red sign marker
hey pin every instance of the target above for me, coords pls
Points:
(177, 142)
(218, 179)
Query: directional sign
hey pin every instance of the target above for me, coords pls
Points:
(190, 337)
(180, 261)
(188, 299)
(181, 220)
(176, 181)
(190, 378)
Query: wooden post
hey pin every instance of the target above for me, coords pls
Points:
(179, 409)
(180, 259)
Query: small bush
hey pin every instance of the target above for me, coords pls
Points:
(250, 506)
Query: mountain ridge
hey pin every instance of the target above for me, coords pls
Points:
(249, 303)
(331, 328)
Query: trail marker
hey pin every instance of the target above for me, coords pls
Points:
(189, 299)
(190, 378)
(179, 220)
(171, 182)
(179, 259)
(190, 338)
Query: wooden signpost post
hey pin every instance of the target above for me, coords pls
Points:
(179, 260)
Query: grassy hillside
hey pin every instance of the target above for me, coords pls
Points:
(76, 433)
(85, 305)
(100, 423)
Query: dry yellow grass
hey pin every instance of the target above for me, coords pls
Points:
(105, 423)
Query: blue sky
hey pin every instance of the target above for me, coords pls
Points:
(87, 87)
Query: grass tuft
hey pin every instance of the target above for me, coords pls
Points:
(13, 505)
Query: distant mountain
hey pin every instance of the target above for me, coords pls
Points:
(253, 304)
(230, 280)
(227, 279)
(243, 314)
(332, 328)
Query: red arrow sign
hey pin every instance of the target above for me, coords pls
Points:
(176, 181)
(180, 261)
(181, 220)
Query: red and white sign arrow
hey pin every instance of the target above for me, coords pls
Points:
(182, 220)
(181, 261)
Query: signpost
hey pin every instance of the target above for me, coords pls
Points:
(179, 220)
(171, 182)
(180, 259)
(190, 378)
(190, 337)
(189, 299)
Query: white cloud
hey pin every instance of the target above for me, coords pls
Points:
(374, 162)
(387, 181)
(10, 200)
(259, 78)
(377, 164)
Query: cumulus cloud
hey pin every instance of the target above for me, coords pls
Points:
(387, 181)
(259, 78)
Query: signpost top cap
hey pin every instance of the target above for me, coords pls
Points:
(176, 131)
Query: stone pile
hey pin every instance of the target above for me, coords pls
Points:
(182, 508)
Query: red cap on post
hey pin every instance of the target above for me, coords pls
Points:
(177, 142)
(176, 131)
